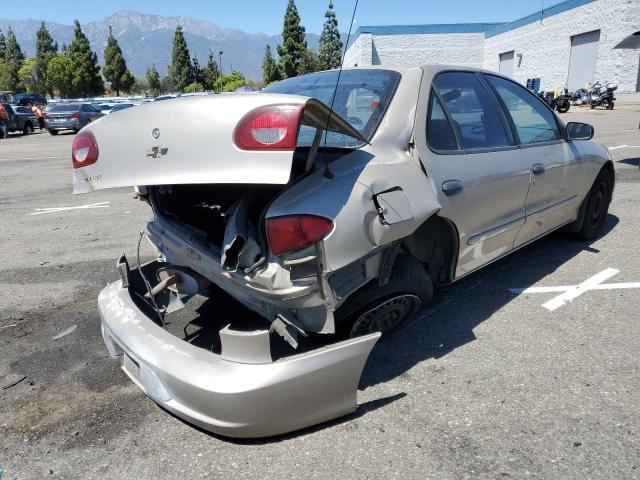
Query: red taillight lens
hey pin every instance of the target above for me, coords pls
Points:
(293, 233)
(84, 150)
(74, 115)
(269, 128)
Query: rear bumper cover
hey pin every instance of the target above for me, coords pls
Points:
(243, 400)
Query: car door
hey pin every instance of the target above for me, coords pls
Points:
(470, 156)
(555, 180)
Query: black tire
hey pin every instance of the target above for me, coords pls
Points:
(563, 106)
(592, 106)
(596, 207)
(52, 132)
(374, 308)
(28, 129)
(611, 105)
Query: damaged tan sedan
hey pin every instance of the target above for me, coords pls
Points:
(327, 224)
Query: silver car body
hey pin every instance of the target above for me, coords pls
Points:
(386, 191)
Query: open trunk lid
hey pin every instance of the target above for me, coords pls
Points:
(191, 141)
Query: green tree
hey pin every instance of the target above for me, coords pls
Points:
(153, 80)
(3, 45)
(330, 51)
(60, 75)
(308, 62)
(46, 50)
(13, 57)
(5, 77)
(293, 45)
(139, 86)
(194, 87)
(210, 72)
(115, 68)
(180, 70)
(198, 74)
(229, 82)
(87, 81)
(270, 70)
(28, 76)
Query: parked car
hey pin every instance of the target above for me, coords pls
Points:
(104, 107)
(21, 119)
(121, 106)
(338, 223)
(29, 98)
(70, 116)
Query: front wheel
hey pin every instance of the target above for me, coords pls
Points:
(52, 132)
(376, 308)
(611, 104)
(596, 207)
(28, 129)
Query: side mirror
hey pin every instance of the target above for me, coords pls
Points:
(578, 131)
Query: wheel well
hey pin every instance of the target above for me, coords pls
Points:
(435, 245)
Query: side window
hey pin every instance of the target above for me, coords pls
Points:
(439, 132)
(474, 116)
(533, 121)
(86, 108)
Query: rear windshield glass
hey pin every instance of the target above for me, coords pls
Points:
(67, 107)
(361, 99)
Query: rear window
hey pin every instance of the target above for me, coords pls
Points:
(361, 99)
(66, 107)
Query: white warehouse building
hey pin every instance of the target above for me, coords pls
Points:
(567, 46)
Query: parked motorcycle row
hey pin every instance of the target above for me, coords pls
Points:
(597, 96)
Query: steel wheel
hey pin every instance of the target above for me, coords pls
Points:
(386, 315)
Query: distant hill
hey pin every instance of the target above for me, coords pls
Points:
(147, 39)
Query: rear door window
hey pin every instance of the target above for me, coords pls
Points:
(532, 119)
(439, 131)
(475, 117)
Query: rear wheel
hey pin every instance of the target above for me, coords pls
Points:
(52, 132)
(596, 207)
(28, 129)
(563, 106)
(382, 309)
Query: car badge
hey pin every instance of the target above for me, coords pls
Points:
(155, 133)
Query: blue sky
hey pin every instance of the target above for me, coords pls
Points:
(266, 15)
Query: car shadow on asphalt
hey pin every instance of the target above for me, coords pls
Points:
(449, 321)
(630, 161)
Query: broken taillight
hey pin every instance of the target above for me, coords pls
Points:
(84, 150)
(273, 127)
(295, 232)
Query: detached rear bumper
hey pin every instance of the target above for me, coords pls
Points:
(228, 397)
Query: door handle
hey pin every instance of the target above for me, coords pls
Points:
(537, 169)
(452, 187)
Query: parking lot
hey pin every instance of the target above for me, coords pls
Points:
(489, 383)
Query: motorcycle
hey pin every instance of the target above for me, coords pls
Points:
(602, 95)
(561, 103)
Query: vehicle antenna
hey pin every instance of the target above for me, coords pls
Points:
(327, 172)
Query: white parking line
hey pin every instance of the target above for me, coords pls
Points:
(623, 146)
(40, 211)
(571, 292)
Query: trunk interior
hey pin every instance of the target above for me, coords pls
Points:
(209, 207)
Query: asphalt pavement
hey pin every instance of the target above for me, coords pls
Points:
(488, 383)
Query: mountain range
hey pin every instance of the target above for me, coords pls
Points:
(148, 39)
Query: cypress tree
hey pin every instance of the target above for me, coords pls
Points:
(180, 71)
(330, 52)
(210, 73)
(115, 68)
(3, 45)
(197, 75)
(293, 46)
(153, 79)
(270, 70)
(87, 80)
(46, 50)
(13, 57)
